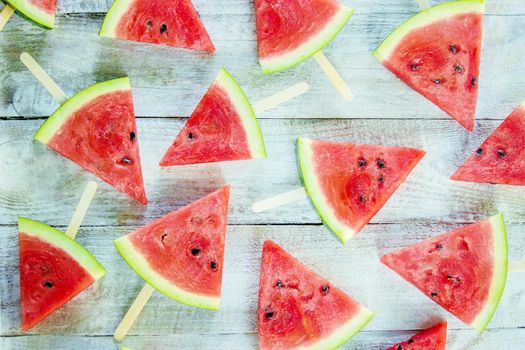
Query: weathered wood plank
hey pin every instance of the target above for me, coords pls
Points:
(354, 268)
(170, 82)
(457, 340)
(38, 183)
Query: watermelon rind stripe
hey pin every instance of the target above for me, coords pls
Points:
(115, 13)
(61, 241)
(499, 277)
(315, 44)
(315, 192)
(423, 19)
(137, 262)
(57, 119)
(34, 13)
(245, 111)
(342, 334)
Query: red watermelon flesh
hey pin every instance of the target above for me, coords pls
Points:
(45, 5)
(463, 270)
(100, 135)
(439, 57)
(349, 183)
(166, 22)
(182, 253)
(299, 309)
(501, 157)
(434, 338)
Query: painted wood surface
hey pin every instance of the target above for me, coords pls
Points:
(167, 84)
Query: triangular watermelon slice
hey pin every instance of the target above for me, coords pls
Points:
(53, 270)
(348, 183)
(288, 32)
(501, 158)
(464, 270)
(182, 253)
(96, 129)
(437, 53)
(39, 11)
(167, 22)
(434, 338)
(299, 309)
(222, 127)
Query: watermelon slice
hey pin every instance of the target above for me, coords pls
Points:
(299, 309)
(434, 338)
(222, 127)
(166, 22)
(96, 129)
(464, 270)
(437, 53)
(53, 270)
(39, 11)
(182, 253)
(290, 31)
(501, 158)
(348, 183)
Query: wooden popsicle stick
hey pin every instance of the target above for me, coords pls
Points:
(43, 77)
(517, 266)
(82, 207)
(280, 199)
(423, 4)
(133, 312)
(334, 77)
(5, 14)
(280, 97)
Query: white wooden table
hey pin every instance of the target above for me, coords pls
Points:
(167, 85)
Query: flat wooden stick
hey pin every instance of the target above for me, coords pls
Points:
(333, 75)
(43, 77)
(280, 97)
(423, 4)
(6, 13)
(517, 266)
(133, 312)
(82, 207)
(280, 199)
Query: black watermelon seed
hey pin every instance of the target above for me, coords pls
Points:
(410, 341)
(458, 68)
(361, 162)
(380, 163)
(434, 294)
(474, 81)
(380, 179)
(132, 136)
(48, 284)
(163, 236)
(437, 81)
(269, 314)
(149, 24)
(195, 251)
(439, 246)
(415, 66)
(453, 49)
(126, 161)
(190, 136)
(362, 199)
(279, 284)
(400, 347)
(502, 154)
(325, 289)
(163, 28)
(479, 151)
(213, 265)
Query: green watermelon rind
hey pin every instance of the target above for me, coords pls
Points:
(499, 274)
(33, 13)
(314, 190)
(115, 13)
(424, 18)
(245, 112)
(138, 263)
(277, 63)
(76, 102)
(59, 239)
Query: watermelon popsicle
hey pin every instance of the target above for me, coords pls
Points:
(41, 12)
(347, 183)
(95, 129)
(181, 255)
(53, 267)
(290, 31)
(224, 127)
